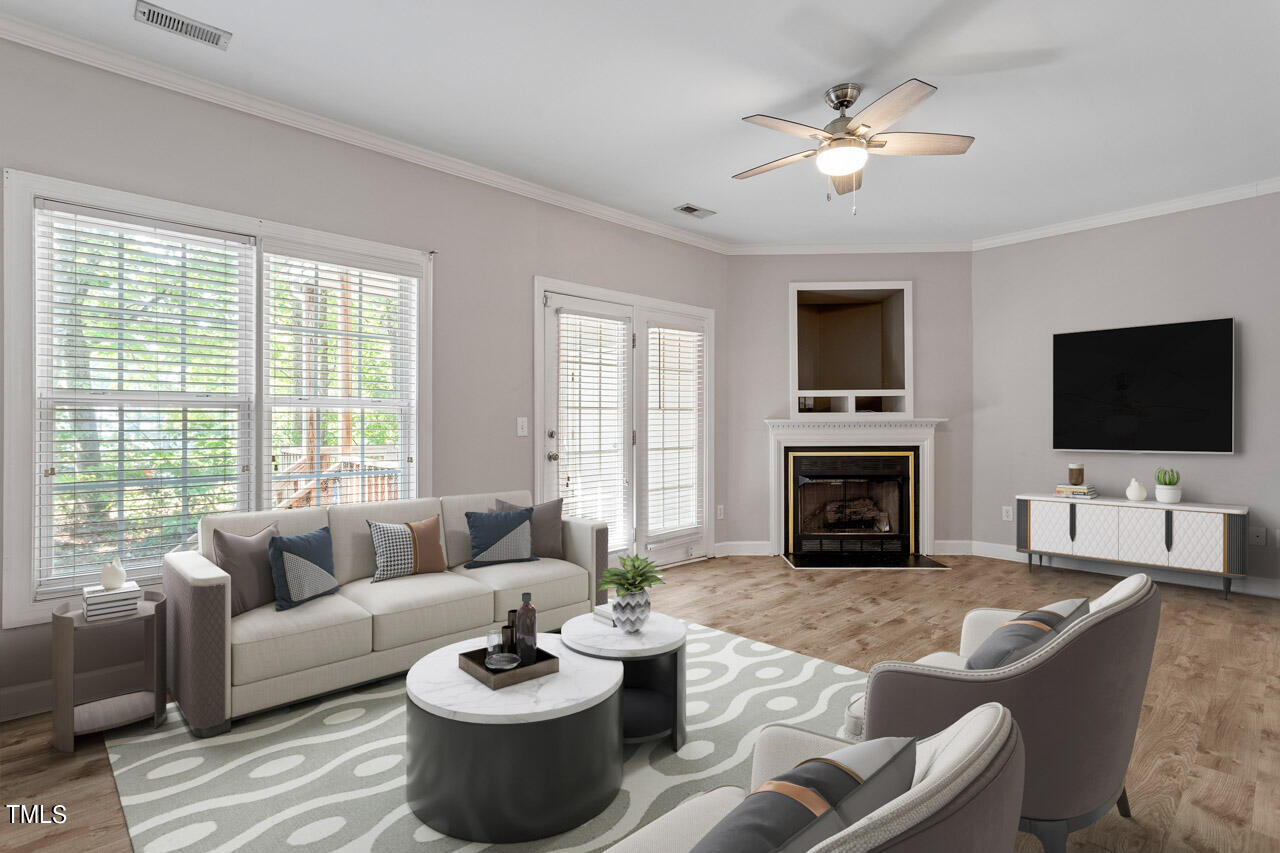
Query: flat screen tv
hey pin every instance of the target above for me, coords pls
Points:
(1167, 388)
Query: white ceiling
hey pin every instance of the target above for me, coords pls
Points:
(1079, 108)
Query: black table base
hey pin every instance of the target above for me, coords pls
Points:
(501, 783)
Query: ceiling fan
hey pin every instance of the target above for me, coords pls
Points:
(844, 143)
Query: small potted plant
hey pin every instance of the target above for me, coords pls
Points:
(1167, 489)
(631, 581)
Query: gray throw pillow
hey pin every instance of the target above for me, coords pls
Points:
(817, 799)
(548, 538)
(245, 559)
(1021, 636)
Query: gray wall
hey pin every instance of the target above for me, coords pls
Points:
(755, 342)
(71, 121)
(1199, 264)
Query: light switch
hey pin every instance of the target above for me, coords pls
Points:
(522, 427)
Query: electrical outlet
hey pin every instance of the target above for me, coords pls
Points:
(1006, 513)
(1258, 536)
(719, 512)
(522, 427)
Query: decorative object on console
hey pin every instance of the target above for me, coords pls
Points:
(113, 574)
(302, 567)
(548, 538)
(1018, 637)
(819, 797)
(247, 561)
(1085, 491)
(631, 581)
(1136, 491)
(403, 549)
(500, 537)
(1075, 474)
(1167, 489)
(527, 631)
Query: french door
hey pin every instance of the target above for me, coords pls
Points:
(625, 433)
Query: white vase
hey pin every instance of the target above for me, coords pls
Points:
(631, 611)
(1168, 494)
(112, 574)
(1136, 491)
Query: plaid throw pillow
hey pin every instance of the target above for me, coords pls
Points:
(400, 550)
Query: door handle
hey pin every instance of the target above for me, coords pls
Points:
(552, 456)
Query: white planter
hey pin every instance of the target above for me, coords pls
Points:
(631, 611)
(1168, 494)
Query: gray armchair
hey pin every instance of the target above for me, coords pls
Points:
(964, 797)
(1077, 701)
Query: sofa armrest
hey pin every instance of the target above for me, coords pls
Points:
(780, 748)
(198, 597)
(586, 543)
(978, 625)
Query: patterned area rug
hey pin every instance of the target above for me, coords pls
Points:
(329, 774)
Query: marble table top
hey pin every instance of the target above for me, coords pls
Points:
(660, 634)
(436, 685)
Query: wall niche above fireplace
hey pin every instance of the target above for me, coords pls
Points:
(851, 349)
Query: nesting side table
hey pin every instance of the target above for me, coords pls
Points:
(653, 672)
(70, 717)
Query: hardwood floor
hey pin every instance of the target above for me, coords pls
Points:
(1205, 774)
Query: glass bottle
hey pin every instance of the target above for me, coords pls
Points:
(527, 631)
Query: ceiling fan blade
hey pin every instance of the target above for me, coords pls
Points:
(794, 128)
(847, 183)
(905, 144)
(893, 105)
(776, 164)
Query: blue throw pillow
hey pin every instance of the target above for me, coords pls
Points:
(501, 537)
(301, 567)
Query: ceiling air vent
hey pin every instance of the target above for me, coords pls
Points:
(695, 211)
(149, 13)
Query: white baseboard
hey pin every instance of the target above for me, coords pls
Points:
(996, 550)
(961, 547)
(36, 697)
(744, 548)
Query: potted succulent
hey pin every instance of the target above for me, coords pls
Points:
(631, 580)
(1167, 489)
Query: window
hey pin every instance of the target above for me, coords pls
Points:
(144, 382)
(675, 431)
(340, 382)
(158, 356)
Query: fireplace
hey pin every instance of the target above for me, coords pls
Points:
(851, 501)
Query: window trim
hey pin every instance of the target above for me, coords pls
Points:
(642, 307)
(21, 189)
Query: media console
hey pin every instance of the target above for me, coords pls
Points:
(1203, 538)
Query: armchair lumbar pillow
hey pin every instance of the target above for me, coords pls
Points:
(816, 799)
(1026, 632)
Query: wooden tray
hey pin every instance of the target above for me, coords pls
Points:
(472, 663)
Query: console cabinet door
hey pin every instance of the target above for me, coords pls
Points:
(1199, 540)
(1050, 527)
(1095, 531)
(1141, 532)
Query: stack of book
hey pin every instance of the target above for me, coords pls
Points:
(100, 603)
(1082, 491)
(604, 615)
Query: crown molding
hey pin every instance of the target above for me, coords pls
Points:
(1146, 211)
(155, 74)
(87, 53)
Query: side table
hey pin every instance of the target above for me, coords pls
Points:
(653, 696)
(70, 717)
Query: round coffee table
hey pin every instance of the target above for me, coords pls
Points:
(527, 761)
(653, 679)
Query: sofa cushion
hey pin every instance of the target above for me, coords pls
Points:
(553, 583)
(421, 607)
(679, 829)
(301, 567)
(454, 509)
(500, 537)
(548, 528)
(266, 642)
(245, 559)
(353, 556)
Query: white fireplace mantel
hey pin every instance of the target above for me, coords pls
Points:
(848, 432)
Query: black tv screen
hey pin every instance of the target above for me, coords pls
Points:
(1147, 388)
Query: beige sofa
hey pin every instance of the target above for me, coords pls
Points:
(221, 667)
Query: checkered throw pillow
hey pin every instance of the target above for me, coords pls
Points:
(402, 549)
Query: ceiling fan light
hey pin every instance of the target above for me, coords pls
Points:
(842, 157)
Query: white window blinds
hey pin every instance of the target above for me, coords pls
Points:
(675, 403)
(340, 382)
(144, 383)
(593, 420)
